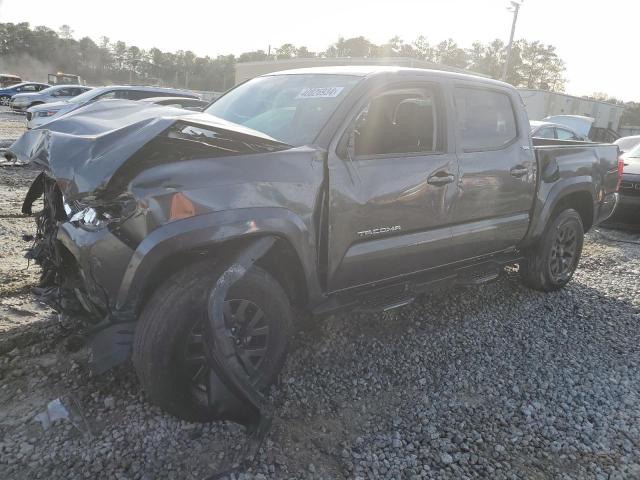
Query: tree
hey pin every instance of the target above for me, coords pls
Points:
(422, 49)
(303, 52)
(34, 52)
(287, 50)
(487, 58)
(65, 32)
(254, 56)
(539, 66)
(351, 47)
(448, 53)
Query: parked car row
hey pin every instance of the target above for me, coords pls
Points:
(43, 103)
(24, 87)
(22, 101)
(41, 114)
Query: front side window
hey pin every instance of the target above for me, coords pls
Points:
(397, 122)
(486, 120)
(290, 108)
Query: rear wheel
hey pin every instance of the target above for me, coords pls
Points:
(551, 263)
(4, 100)
(169, 343)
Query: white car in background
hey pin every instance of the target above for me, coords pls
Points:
(42, 114)
(627, 144)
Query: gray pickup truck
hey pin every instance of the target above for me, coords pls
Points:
(193, 241)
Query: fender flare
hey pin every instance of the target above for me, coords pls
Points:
(545, 205)
(213, 229)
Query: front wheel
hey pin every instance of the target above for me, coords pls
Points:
(169, 342)
(551, 263)
(4, 100)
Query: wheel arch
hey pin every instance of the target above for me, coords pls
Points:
(217, 237)
(576, 193)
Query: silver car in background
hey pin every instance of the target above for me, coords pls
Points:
(22, 101)
(554, 130)
(41, 114)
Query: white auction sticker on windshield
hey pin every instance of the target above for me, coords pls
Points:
(319, 92)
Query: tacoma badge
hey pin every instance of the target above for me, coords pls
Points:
(379, 231)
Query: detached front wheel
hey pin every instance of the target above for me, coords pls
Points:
(551, 263)
(169, 351)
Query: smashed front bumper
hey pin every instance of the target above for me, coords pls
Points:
(74, 280)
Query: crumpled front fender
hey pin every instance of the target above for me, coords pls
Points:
(208, 231)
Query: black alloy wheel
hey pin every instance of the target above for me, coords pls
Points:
(249, 332)
(563, 256)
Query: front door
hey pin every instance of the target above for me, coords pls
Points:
(496, 183)
(392, 181)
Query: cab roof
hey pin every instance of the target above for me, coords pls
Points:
(374, 70)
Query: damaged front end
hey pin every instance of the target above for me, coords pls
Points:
(103, 198)
(64, 285)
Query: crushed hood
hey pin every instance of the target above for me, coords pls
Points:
(84, 148)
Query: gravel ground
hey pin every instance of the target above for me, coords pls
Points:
(495, 381)
(11, 126)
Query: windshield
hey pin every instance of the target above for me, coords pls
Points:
(289, 108)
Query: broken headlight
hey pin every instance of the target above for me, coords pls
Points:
(97, 217)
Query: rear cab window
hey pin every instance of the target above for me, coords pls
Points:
(486, 119)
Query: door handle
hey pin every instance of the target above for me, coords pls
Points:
(440, 178)
(519, 171)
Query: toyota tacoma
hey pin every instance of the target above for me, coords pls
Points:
(192, 242)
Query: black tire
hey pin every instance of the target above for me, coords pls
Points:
(163, 349)
(551, 263)
(4, 100)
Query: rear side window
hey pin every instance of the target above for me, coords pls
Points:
(546, 132)
(401, 121)
(485, 119)
(565, 134)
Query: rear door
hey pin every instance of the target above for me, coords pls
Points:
(496, 183)
(391, 186)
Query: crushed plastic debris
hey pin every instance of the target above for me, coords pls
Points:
(66, 409)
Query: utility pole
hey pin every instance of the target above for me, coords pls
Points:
(515, 7)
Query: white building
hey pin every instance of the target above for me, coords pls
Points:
(541, 104)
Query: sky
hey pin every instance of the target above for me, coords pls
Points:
(597, 40)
